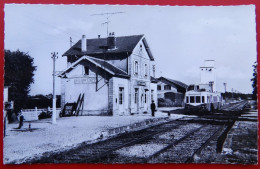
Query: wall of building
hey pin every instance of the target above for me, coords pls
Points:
(170, 97)
(140, 55)
(108, 96)
(161, 92)
(140, 97)
(93, 86)
(140, 83)
(120, 109)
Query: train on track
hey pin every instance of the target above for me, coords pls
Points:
(204, 96)
(198, 98)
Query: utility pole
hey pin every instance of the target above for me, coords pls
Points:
(232, 93)
(54, 57)
(108, 15)
(225, 88)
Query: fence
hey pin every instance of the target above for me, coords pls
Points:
(33, 114)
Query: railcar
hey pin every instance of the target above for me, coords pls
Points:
(202, 98)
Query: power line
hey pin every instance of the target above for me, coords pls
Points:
(40, 20)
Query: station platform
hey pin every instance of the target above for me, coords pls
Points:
(43, 136)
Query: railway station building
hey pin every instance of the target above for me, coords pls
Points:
(170, 91)
(109, 76)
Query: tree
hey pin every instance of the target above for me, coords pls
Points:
(19, 72)
(254, 81)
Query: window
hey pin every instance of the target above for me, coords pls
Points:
(145, 70)
(136, 68)
(159, 87)
(197, 99)
(142, 103)
(136, 96)
(145, 96)
(86, 69)
(192, 99)
(187, 99)
(203, 99)
(167, 87)
(141, 49)
(121, 95)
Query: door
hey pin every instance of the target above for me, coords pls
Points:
(146, 94)
(136, 99)
(121, 101)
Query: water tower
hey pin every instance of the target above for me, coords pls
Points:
(208, 75)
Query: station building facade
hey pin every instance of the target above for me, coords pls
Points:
(114, 75)
(171, 91)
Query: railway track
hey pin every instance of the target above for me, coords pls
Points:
(238, 106)
(176, 141)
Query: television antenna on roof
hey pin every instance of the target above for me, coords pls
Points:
(107, 15)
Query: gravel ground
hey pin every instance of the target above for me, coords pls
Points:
(141, 150)
(240, 146)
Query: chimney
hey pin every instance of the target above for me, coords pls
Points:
(83, 43)
(111, 41)
(98, 36)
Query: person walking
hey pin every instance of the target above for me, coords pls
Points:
(153, 108)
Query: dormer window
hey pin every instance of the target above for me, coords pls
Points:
(86, 70)
(136, 68)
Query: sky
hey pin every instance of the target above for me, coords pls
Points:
(180, 38)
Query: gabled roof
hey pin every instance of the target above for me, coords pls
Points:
(108, 67)
(153, 80)
(174, 82)
(124, 44)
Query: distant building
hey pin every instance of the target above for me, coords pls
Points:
(208, 76)
(113, 75)
(171, 90)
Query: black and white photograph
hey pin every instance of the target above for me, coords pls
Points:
(130, 84)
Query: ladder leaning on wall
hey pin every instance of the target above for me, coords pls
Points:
(80, 104)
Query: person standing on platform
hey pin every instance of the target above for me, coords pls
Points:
(153, 108)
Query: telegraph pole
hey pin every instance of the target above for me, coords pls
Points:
(54, 57)
(232, 93)
(225, 87)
